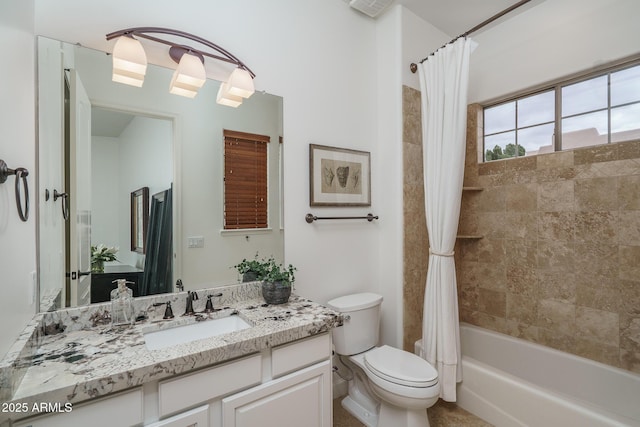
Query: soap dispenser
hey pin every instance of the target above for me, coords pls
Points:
(122, 312)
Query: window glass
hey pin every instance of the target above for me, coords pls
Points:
(536, 139)
(589, 95)
(625, 123)
(598, 110)
(499, 146)
(584, 130)
(625, 86)
(536, 109)
(500, 118)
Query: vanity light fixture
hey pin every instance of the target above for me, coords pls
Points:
(130, 63)
(189, 76)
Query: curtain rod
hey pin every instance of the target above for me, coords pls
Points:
(414, 67)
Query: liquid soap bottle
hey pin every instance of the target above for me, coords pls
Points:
(122, 312)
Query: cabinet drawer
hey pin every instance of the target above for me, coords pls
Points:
(191, 389)
(123, 409)
(198, 417)
(290, 357)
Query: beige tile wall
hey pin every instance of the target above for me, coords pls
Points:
(416, 249)
(559, 263)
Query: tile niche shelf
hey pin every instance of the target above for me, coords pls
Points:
(470, 236)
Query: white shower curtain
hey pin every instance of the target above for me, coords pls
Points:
(443, 82)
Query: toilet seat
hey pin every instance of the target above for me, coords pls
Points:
(400, 367)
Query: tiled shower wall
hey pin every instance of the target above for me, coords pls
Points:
(559, 261)
(416, 248)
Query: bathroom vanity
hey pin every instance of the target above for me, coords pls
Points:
(276, 372)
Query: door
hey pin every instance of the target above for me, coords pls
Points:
(79, 189)
(302, 398)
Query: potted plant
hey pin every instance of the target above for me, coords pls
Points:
(277, 281)
(100, 254)
(251, 270)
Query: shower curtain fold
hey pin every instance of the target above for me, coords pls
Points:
(443, 84)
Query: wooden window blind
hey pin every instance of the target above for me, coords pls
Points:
(245, 180)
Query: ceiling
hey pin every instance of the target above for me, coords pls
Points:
(454, 17)
(109, 123)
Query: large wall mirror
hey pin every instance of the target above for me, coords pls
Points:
(100, 141)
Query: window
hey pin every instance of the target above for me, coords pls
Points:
(245, 180)
(597, 109)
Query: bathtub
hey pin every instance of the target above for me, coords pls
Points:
(512, 382)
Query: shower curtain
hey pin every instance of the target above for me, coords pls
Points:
(443, 83)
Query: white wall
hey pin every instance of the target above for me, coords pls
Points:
(17, 149)
(105, 185)
(551, 40)
(419, 39)
(388, 160)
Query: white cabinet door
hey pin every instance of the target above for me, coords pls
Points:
(198, 417)
(302, 398)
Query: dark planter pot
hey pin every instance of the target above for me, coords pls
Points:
(276, 292)
(249, 276)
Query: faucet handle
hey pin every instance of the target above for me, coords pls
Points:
(208, 308)
(168, 312)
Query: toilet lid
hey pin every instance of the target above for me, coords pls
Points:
(400, 367)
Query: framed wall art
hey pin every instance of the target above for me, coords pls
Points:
(339, 177)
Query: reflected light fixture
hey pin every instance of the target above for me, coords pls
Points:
(226, 98)
(130, 64)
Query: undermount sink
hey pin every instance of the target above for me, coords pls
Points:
(162, 338)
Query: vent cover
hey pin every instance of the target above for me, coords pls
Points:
(372, 8)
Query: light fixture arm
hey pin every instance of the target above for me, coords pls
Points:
(143, 33)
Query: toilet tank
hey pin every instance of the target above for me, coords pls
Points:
(361, 327)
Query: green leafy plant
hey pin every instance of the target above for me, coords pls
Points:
(253, 265)
(274, 272)
(103, 253)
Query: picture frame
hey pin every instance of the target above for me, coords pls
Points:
(339, 176)
(139, 219)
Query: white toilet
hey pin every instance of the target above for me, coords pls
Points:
(389, 387)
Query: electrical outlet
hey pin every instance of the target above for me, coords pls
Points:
(195, 242)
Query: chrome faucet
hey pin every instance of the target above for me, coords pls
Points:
(179, 285)
(191, 296)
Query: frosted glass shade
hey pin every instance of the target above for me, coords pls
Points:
(241, 83)
(129, 61)
(188, 77)
(225, 98)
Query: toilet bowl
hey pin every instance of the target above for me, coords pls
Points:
(389, 387)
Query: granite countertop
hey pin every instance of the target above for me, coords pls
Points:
(89, 359)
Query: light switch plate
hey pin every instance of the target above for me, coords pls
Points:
(195, 242)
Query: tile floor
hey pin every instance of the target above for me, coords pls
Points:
(442, 414)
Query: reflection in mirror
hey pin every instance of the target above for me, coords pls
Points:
(139, 219)
(101, 141)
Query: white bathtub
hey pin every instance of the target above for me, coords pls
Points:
(512, 382)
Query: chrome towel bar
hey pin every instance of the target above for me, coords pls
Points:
(310, 217)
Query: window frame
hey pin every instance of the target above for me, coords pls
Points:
(556, 86)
